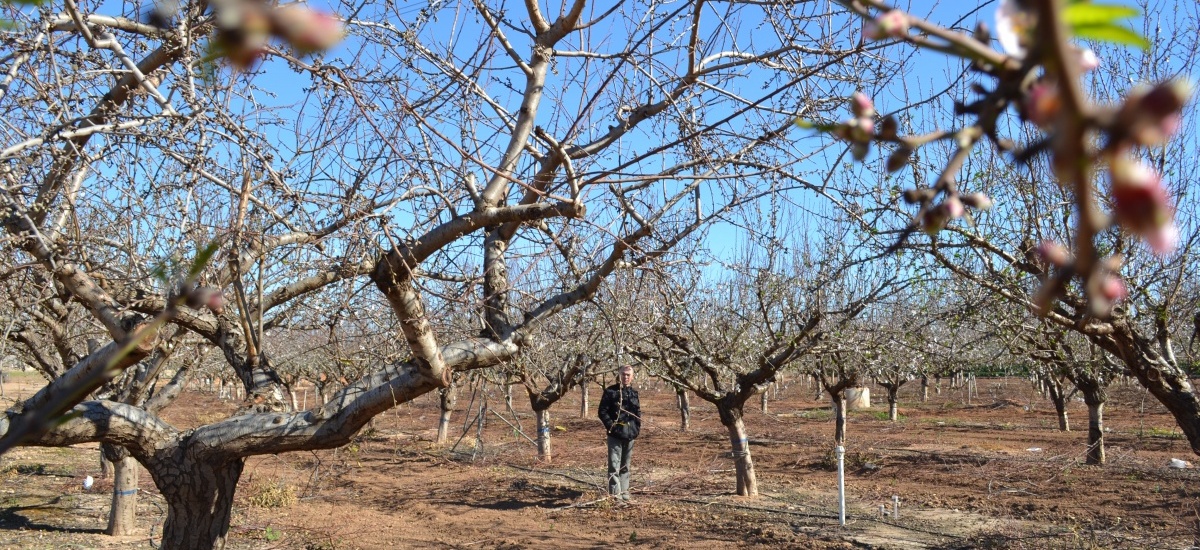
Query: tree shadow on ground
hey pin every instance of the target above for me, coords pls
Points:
(12, 519)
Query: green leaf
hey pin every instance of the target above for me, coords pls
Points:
(1115, 34)
(202, 258)
(1085, 14)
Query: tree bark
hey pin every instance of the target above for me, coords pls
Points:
(543, 440)
(1060, 407)
(583, 399)
(1095, 453)
(199, 495)
(763, 402)
(924, 388)
(1165, 381)
(839, 418)
(1095, 396)
(685, 411)
(747, 483)
(122, 516)
(446, 400)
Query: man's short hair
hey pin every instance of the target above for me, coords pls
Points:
(626, 368)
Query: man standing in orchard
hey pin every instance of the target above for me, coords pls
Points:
(621, 414)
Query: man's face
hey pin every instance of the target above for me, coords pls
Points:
(626, 377)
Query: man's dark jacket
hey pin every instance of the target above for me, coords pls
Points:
(621, 412)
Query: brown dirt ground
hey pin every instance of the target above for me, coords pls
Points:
(966, 475)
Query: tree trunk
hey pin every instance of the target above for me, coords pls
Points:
(1095, 395)
(1095, 453)
(839, 418)
(763, 401)
(446, 399)
(1060, 406)
(1166, 382)
(543, 431)
(122, 516)
(685, 411)
(892, 410)
(747, 483)
(199, 495)
(295, 402)
(924, 388)
(583, 399)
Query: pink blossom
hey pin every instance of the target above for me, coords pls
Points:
(892, 24)
(1113, 288)
(1054, 253)
(307, 30)
(1152, 115)
(1141, 204)
(1042, 104)
(861, 105)
(954, 208)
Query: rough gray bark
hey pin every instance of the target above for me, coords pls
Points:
(199, 494)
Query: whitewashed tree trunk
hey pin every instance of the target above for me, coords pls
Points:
(583, 400)
(446, 400)
(122, 517)
(543, 439)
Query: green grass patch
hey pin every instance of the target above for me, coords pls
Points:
(1161, 433)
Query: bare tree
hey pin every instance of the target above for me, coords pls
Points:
(1088, 173)
(505, 168)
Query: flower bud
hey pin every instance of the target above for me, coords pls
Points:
(954, 208)
(861, 105)
(1140, 203)
(1152, 115)
(1042, 104)
(978, 201)
(914, 196)
(305, 29)
(860, 150)
(1113, 289)
(892, 24)
(935, 219)
(898, 160)
(889, 128)
(208, 297)
(1054, 253)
